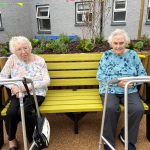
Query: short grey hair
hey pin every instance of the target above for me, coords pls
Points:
(119, 32)
(18, 39)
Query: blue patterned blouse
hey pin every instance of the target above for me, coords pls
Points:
(113, 66)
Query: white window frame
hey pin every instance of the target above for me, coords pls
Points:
(83, 12)
(39, 18)
(148, 11)
(119, 10)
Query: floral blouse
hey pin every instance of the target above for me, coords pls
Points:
(36, 70)
(113, 66)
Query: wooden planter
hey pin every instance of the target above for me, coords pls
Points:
(146, 64)
(4, 95)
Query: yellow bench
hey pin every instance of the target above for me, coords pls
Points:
(74, 88)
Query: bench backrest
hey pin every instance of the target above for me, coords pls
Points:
(73, 69)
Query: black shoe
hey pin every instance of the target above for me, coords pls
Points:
(131, 146)
(13, 148)
(121, 136)
(106, 147)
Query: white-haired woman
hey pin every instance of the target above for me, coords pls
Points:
(120, 62)
(22, 63)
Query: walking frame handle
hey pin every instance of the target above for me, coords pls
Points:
(25, 81)
(139, 79)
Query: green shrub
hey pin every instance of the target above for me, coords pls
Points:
(50, 45)
(4, 52)
(57, 46)
(85, 45)
(35, 42)
(138, 45)
(38, 51)
(4, 49)
(60, 47)
(100, 39)
(64, 38)
(146, 40)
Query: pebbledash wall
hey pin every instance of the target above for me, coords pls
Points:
(21, 19)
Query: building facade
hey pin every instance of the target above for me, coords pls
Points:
(73, 17)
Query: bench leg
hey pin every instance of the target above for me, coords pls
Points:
(76, 117)
(148, 126)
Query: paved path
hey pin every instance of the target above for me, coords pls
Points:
(63, 137)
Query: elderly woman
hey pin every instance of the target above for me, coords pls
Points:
(120, 62)
(22, 63)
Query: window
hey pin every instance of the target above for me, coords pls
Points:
(119, 11)
(148, 11)
(83, 15)
(43, 19)
(1, 25)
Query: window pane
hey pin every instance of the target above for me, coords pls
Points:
(120, 5)
(83, 7)
(43, 11)
(119, 16)
(79, 17)
(148, 15)
(44, 24)
(0, 21)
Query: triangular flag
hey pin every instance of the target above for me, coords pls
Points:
(20, 4)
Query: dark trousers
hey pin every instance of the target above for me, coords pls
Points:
(13, 116)
(135, 113)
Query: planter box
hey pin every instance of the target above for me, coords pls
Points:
(4, 96)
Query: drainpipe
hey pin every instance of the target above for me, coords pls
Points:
(141, 19)
(101, 17)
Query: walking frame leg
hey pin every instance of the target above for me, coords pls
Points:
(1, 122)
(23, 124)
(103, 117)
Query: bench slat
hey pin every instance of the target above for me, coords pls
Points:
(74, 82)
(72, 65)
(73, 102)
(63, 98)
(72, 73)
(76, 57)
(71, 108)
(72, 57)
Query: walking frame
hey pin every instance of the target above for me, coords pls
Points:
(139, 79)
(25, 80)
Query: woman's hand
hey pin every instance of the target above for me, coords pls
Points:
(123, 83)
(15, 90)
